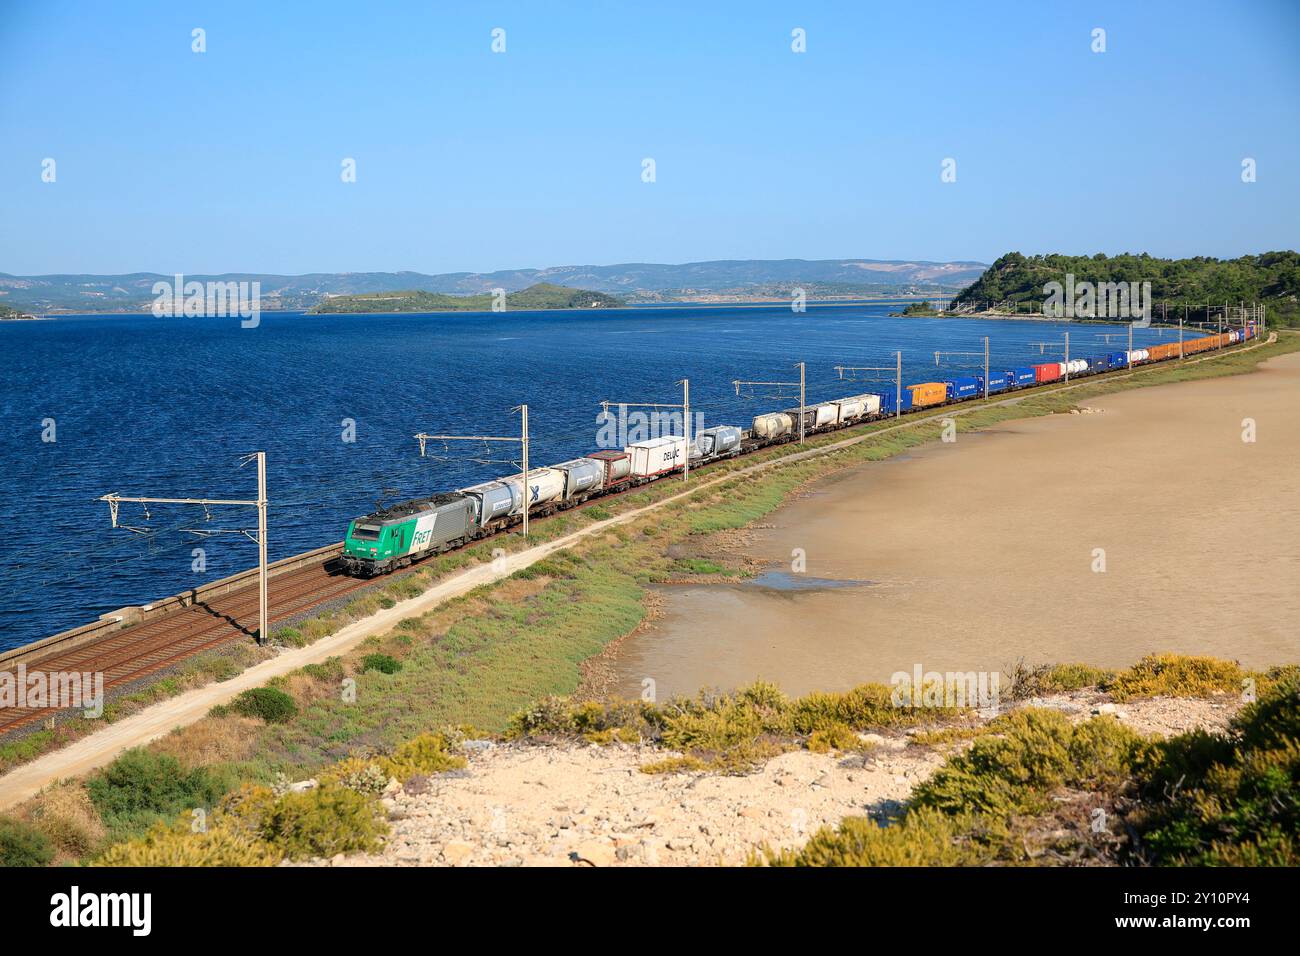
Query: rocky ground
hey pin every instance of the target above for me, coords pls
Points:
(530, 804)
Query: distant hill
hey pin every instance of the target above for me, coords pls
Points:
(730, 279)
(542, 295)
(1271, 277)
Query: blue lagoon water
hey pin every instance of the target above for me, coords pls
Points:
(165, 407)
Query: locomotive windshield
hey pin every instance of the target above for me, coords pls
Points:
(365, 532)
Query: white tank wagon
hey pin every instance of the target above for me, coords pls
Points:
(545, 488)
(772, 426)
(717, 441)
(1138, 355)
(582, 477)
(497, 503)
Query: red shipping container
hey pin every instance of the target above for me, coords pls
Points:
(1048, 372)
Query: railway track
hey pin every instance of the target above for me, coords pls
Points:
(138, 651)
(127, 655)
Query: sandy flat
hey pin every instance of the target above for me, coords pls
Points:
(982, 552)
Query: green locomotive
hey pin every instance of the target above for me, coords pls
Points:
(395, 536)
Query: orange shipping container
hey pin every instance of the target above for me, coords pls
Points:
(928, 393)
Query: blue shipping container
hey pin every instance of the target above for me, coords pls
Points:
(1023, 376)
(997, 381)
(888, 401)
(959, 388)
(1117, 360)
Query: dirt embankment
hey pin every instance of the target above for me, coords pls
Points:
(531, 804)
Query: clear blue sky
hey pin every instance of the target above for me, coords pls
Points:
(171, 161)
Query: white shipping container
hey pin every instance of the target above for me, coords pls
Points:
(656, 456)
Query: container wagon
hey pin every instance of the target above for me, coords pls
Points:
(1047, 372)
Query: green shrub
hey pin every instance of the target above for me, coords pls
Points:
(833, 737)
(383, 663)
(177, 845)
(265, 703)
(920, 838)
(329, 671)
(424, 755)
(1029, 682)
(319, 822)
(140, 787)
(1175, 675)
(289, 637)
(356, 773)
(1025, 756)
(23, 845)
(1227, 800)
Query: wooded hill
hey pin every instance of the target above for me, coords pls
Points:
(1271, 277)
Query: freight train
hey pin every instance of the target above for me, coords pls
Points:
(395, 536)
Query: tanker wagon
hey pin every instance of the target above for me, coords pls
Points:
(718, 441)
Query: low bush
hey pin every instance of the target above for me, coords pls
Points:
(1226, 800)
(1026, 755)
(1027, 682)
(1176, 675)
(921, 838)
(384, 663)
(328, 671)
(21, 844)
(319, 822)
(265, 703)
(141, 787)
(361, 774)
(178, 845)
(423, 755)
